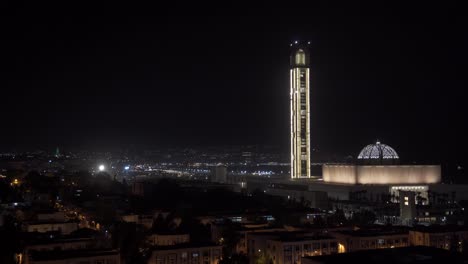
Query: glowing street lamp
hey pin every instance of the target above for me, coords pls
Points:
(102, 167)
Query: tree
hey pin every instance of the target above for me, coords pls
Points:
(197, 231)
(363, 217)
(337, 218)
(81, 178)
(6, 192)
(10, 240)
(129, 238)
(159, 223)
(166, 188)
(39, 183)
(465, 246)
(319, 221)
(453, 243)
(231, 238)
(235, 259)
(262, 258)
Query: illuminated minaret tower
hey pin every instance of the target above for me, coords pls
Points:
(300, 109)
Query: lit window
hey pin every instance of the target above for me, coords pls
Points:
(300, 57)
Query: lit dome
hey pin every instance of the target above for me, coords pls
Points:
(378, 151)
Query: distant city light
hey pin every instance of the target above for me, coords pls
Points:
(127, 167)
(15, 182)
(295, 42)
(102, 167)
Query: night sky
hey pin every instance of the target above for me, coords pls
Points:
(104, 75)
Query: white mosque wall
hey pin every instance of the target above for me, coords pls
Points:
(339, 174)
(382, 174)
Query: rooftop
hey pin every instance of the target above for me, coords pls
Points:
(374, 232)
(292, 236)
(68, 254)
(48, 222)
(185, 245)
(60, 240)
(303, 238)
(439, 228)
(279, 233)
(392, 256)
(162, 232)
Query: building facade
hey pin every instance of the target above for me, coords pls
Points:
(219, 174)
(350, 241)
(449, 237)
(167, 239)
(407, 207)
(92, 256)
(291, 251)
(64, 227)
(382, 174)
(186, 254)
(300, 111)
(280, 247)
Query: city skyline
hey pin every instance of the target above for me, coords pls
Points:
(230, 133)
(94, 79)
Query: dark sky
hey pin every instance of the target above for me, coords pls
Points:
(76, 75)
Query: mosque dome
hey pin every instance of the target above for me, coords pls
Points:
(378, 153)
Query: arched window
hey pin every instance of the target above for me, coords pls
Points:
(300, 57)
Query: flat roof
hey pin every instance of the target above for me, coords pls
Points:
(439, 228)
(417, 254)
(279, 233)
(59, 241)
(292, 236)
(169, 232)
(185, 245)
(68, 254)
(373, 232)
(49, 222)
(300, 239)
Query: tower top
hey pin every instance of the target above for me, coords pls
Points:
(57, 152)
(300, 54)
